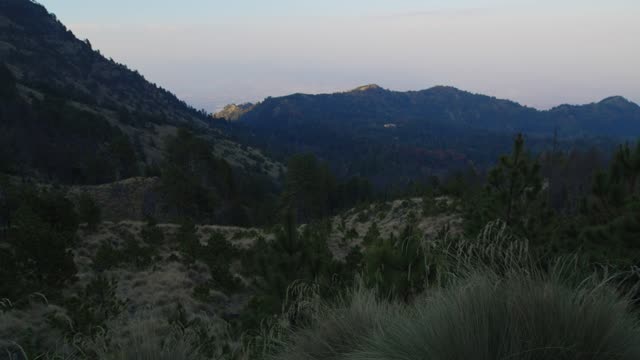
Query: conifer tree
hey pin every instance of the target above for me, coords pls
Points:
(309, 184)
(514, 193)
(89, 212)
(611, 214)
(396, 265)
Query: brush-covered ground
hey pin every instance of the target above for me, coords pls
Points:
(492, 298)
(486, 272)
(163, 277)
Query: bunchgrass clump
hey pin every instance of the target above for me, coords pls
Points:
(341, 328)
(518, 316)
(519, 313)
(494, 299)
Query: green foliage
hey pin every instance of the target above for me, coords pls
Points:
(188, 241)
(193, 179)
(290, 257)
(353, 191)
(152, 170)
(152, 234)
(69, 140)
(94, 306)
(570, 176)
(217, 254)
(314, 193)
(107, 257)
(88, 211)
(152, 347)
(436, 130)
(136, 253)
(123, 157)
(514, 193)
(350, 235)
(72, 144)
(143, 337)
(308, 186)
(340, 328)
(397, 266)
(363, 216)
(611, 212)
(132, 252)
(373, 234)
(36, 252)
(433, 206)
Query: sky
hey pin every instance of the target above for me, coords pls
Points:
(541, 53)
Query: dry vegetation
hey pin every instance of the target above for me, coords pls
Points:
(155, 289)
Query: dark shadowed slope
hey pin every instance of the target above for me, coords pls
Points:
(69, 114)
(390, 135)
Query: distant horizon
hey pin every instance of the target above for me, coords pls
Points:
(338, 91)
(540, 54)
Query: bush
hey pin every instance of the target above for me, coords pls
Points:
(36, 254)
(523, 315)
(341, 328)
(188, 242)
(89, 212)
(141, 337)
(518, 317)
(132, 252)
(151, 347)
(106, 257)
(397, 266)
(152, 234)
(140, 255)
(96, 304)
(218, 254)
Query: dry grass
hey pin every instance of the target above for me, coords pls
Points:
(523, 315)
(494, 302)
(390, 219)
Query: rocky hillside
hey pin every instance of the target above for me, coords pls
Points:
(233, 112)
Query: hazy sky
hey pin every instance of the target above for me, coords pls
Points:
(210, 52)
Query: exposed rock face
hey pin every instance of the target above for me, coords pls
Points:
(233, 112)
(369, 87)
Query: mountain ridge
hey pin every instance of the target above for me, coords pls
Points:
(424, 132)
(435, 88)
(449, 98)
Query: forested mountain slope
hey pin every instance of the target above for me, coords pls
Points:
(391, 136)
(69, 114)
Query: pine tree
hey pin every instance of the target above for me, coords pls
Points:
(42, 232)
(89, 212)
(515, 194)
(611, 214)
(309, 184)
(290, 257)
(396, 265)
